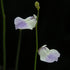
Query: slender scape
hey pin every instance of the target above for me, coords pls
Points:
(18, 50)
(4, 34)
(36, 42)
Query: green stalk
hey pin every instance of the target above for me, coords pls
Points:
(36, 42)
(18, 50)
(4, 34)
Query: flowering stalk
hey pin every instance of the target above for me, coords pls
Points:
(37, 6)
(18, 50)
(4, 32)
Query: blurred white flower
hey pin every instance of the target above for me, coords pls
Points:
(28, 23)
(47, 55)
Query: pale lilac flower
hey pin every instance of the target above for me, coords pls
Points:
(48, 55)
(28, 23)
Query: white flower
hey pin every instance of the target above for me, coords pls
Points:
(47, 55)
(28, 23)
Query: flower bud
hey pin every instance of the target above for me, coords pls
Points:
(37, 5)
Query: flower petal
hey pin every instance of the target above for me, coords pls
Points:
(31, 21)
(28, 23)
(20, 23)
(51, 57)
(55, 52)
(43, 50)
(47, 55)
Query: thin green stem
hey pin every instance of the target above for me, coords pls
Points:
(36, 42)
(4, 34)
(18, 50)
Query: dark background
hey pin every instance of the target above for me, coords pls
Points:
(53, 30)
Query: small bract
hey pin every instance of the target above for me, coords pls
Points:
(47, 55)
(28, 23)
